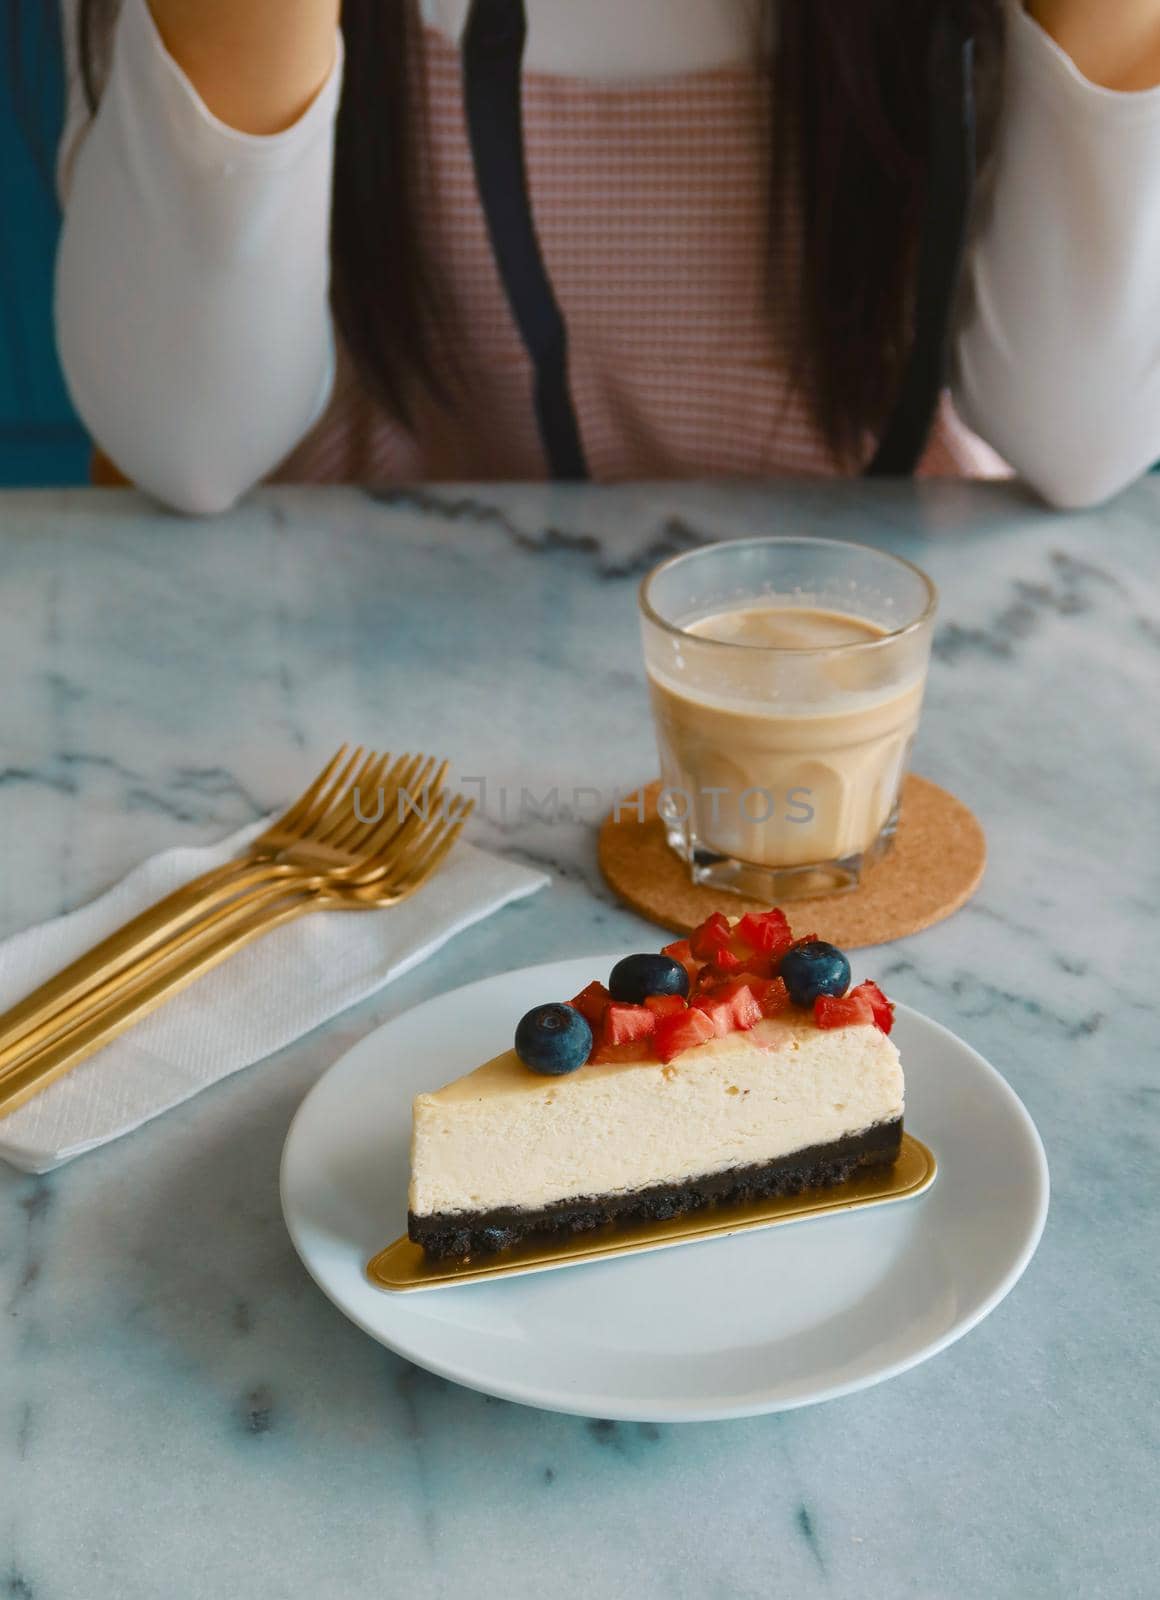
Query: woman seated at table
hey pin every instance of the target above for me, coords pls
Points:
(709, 237)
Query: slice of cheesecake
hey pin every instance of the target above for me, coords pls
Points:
(740, 1088)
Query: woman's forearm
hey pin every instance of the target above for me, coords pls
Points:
(1057, 355)
(257, 64)
(1115, 43)
(191, 307)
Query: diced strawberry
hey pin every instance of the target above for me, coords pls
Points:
(747, 1012)
(727, 961)
(719, 1011)
(850, 1011)
(592, 1003)
(623, 1055)
(623, 1023)
(681, 1031)
(665, 1005)
(729, 1006)
(755, 966)
(682, 951)
(767, 932)
(770, 993)
(712, 935)
(882, 1007)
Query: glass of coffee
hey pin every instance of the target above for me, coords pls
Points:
(786, 677)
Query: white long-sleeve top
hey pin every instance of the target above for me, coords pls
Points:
(192, 308)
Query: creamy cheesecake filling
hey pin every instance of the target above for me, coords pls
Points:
(502, 1137)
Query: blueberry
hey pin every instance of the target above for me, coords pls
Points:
(637, 976)
(553, 1039)
(813, 969)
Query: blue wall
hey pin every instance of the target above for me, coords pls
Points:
(40, 439)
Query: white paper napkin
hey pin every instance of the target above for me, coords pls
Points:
(274, 991)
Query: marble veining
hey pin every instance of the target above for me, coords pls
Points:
(183, 1415)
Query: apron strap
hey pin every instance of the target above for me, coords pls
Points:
(950, 187)
(493, 49)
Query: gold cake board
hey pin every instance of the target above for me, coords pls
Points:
(933, 867)
(403, 1266)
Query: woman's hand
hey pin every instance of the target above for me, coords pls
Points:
(257, 64)
(1115, 43)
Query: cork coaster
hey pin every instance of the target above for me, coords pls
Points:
(934, 867)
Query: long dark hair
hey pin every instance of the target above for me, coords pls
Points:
(850, 133)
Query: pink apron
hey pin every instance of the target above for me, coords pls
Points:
(651, 204)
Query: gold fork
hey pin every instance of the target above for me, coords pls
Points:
(320, 834)
(388, 878)
(363, 857)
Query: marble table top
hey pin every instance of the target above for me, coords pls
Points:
(183, 1415)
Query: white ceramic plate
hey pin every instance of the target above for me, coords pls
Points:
(758, 1322)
